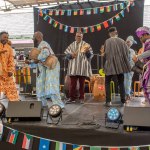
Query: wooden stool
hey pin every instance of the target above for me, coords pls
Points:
(89, 85)
(137, 84)
(112, 89)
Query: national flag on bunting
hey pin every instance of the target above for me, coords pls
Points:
(114, 148)
(117, 17)
(121, 5)
(44, 144)
(115, 7)
(44, 11)
(69, 12)
(75, 12)
(60, 26)
(81, 12)
(50, 12)
(105, 23)
(95, 148)
(95, 10)
(85, 30)
(88, 11)
(50, 20)
(66, 29)
(111, 20)
(108, 8)
(27, 142)
(91, 28)
(72, 30)
(77, 147)
(98, 26)
(46, 17)
(56, 12)
(101, 9)
(62, 12)
(122, 13)
(40, 12)
(133, 148)
(55, 24)
(60, 146)
(12, 136)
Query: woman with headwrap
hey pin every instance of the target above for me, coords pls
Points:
(144, 35)
(128, 76)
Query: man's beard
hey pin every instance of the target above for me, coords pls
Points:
(3, 42)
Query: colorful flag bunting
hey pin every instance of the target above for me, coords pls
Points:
(60, 146)
(101, 9)
(111, 20)
(77, 147)
(75, 12)
(88, 11)
(69, 12)
(66, 29)
(27, 142)
(98, 27)
(114, 148)
(115, 7)
(44, 144)
(85, 30)
(122, 13)
(95, 148)
(105, 23)
(133, 148)
(95, 10)
(81, 12)
(50, 12)
(117, 17)
(60, 26)
(50, 20)
(55, 24)
(40, 12)
(56, 12)
(121, 5)
(46, 17)
(108, 8)
(91, 28)
(72, 30)
(62, 12)
(12, 136)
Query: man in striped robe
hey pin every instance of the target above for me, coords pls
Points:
(117, 63)
(79, 54)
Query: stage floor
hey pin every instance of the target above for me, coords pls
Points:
(85, 124)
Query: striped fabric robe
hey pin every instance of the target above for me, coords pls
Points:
(117, 56)
(81, 65)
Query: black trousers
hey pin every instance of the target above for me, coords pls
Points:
(120, 78)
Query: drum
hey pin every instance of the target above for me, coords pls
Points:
(51, 62)
(34, 53)
(84, 47)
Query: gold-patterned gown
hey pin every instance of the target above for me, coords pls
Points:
(7, 84)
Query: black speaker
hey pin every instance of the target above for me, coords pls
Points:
(136, 117)
(24, 110)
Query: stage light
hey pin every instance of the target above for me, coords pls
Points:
(2, 110)
(113, 118)
(54, 114)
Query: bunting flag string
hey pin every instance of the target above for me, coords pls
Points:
(45, 144)
(93, 28)
(85, 11)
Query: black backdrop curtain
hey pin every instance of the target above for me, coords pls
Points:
(59, 40)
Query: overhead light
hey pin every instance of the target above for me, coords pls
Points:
(113, 118)
(54, 114)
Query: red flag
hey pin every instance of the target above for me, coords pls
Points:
(105, 24)
(72, 30)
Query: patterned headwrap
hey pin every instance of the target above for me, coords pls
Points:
(131, 39)
(142, 30)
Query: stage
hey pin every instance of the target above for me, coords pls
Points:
(82, 124)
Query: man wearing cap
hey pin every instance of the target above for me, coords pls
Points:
(144, 35)
(128, 76)
(117, 63)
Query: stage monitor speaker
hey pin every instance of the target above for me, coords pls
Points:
(24, 110)
(136, 117)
